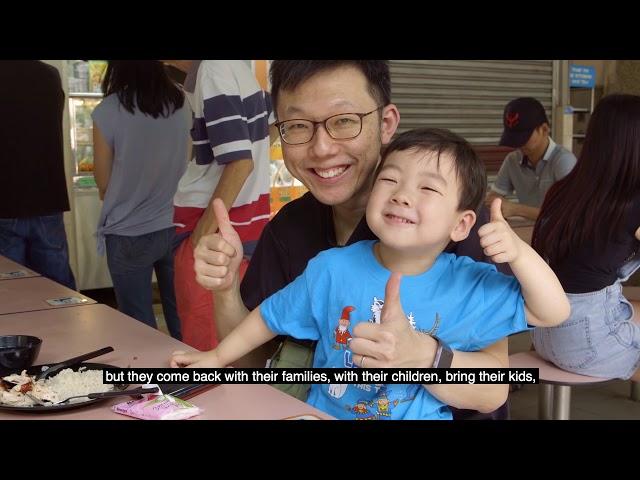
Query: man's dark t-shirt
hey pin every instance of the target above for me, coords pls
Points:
(301, 230)
(32, 177)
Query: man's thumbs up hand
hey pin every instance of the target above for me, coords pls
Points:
(218, 255)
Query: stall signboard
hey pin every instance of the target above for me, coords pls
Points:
(582, 76)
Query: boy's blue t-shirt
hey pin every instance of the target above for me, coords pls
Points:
(467, 304)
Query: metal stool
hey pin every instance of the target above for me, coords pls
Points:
(635, 391)
(633, 295)
(554, 390)
(554, 393)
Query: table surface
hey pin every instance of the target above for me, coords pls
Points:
(523, 227)
(520, 222)
(8, 266)
(73, 331)
(30, 294)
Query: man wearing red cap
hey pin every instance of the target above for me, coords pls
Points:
(342, 330)
(536, 164)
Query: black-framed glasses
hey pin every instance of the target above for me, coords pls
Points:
(343, 126)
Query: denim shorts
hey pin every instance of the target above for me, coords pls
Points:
(600, 338)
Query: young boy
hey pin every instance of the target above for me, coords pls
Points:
(429, 185)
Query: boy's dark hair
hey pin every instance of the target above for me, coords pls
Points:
(467, 166)
(288, 74)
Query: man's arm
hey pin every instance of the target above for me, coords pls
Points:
(266, 274)
(229, 312)
(102, 161)
(484, 398)
(231, 182)
(223, 112)
(512, 209)
(395, 344)
(520, 210)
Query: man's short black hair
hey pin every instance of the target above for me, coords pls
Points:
(289, 74)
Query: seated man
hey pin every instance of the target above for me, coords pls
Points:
(536, 164)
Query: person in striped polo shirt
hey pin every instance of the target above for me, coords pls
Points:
(230, 161)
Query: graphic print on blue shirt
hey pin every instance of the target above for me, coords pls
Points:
(376, 310)
(382, 405)
(341, 332)
(469, 304)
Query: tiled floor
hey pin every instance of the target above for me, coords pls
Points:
(162, 325)
(607, 401)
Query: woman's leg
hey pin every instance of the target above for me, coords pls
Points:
(164, 272)
(130, 261)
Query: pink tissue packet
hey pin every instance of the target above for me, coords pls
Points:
(157, 407)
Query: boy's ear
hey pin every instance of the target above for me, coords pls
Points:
(466, 221)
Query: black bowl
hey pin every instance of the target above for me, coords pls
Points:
(18, 352)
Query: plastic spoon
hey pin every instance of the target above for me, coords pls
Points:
(56, 367)
(115, 393)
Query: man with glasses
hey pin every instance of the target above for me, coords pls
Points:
(343, 126)
(334, 118)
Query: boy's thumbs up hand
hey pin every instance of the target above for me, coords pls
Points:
(392, 308)
(499, 241)
(393, 343)
(496, 210)
(218, 255)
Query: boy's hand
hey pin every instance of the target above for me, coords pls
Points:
(498, 240)
(393, 343)
(218, 255)
(194, 360)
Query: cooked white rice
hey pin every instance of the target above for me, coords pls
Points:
(65, 384)
(69, 383)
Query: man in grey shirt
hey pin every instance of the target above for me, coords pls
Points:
(536, 163)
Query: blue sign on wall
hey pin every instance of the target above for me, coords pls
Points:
(582, 76)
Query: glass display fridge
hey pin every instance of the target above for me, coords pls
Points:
(80, 107)
(83, 95)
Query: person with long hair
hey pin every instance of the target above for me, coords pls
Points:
(140, 135)
(589, 231)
